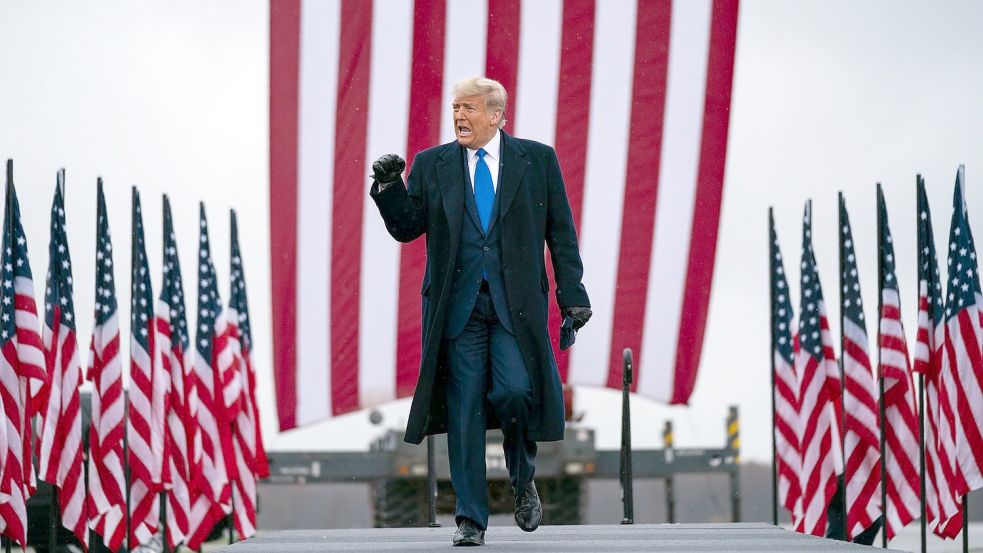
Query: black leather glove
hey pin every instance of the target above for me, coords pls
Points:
(580, 315)
(388, 168)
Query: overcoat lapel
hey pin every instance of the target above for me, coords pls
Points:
(514, 164)
(469, 202)
(449, 169)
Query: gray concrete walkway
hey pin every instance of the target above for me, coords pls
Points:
(715, 538)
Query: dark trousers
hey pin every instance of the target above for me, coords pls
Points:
(484, 363)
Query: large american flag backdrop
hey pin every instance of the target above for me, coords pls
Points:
(633, 94)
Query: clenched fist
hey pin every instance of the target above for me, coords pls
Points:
(388, 168)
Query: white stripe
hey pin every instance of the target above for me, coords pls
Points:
(389, 109)
(689, 46)
(856, 334)
(319, 36)
(464, 52)
(894, 358)
(969, 387)
(607, 154)
(534, 115)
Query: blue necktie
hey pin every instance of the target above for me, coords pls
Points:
(484, 191)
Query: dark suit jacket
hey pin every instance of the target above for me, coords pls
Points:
(533, 213)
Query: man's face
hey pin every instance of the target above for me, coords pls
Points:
(474, 125)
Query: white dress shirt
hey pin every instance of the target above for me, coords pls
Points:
(493, 155)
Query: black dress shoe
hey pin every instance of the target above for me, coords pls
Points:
(528, 509)
(468, 534)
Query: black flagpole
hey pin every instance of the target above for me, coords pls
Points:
(921, 434)
(232, 513)
(9, 187)
(841, 481)
(774, 428)
(126, 416)
(966, 523)
(880, 370)
(55, 518)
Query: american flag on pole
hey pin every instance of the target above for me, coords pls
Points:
(250, 457)
(788, 460)
(60, 440)
(107, 494)
(211, 498)
(901, 436)
(962, 372)
(147, 394)
(861, 444)
(182, 433)
(22, 370)
(942, 502)
(819, 394)
(604, 82)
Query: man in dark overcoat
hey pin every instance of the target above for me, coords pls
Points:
(488, 203)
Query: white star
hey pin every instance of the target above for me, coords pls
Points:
(924, 215)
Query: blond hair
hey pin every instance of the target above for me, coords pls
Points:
(491, 90)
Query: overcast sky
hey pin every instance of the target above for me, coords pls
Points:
(828, 96)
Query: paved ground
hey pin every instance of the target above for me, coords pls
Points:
(715, 538)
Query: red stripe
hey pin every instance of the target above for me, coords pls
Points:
(648, 104)
(427, 77)
(966, 341)
(284, 96)
(573, 93)
(351, 127)
(502, 50)
(709, 190)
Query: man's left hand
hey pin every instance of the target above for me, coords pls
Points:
(580, 315)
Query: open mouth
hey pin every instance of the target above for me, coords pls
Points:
(463, 131)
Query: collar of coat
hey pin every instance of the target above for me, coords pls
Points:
(450, 168)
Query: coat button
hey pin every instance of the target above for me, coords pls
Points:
(514, 420)
(486, 248)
